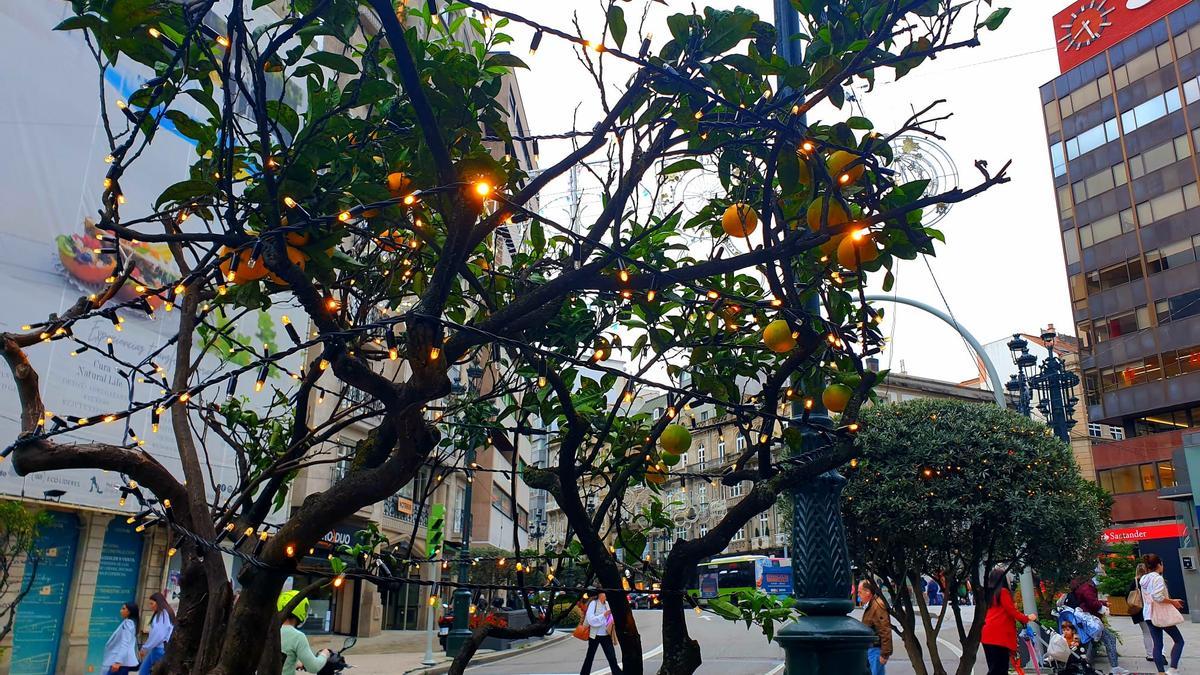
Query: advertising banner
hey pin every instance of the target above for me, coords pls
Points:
(708, 585)
(777, 580)
(54, 147)
(116, 584)
(1088, 27)
(39, 625)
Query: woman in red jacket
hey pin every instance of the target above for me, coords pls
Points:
(999, 637)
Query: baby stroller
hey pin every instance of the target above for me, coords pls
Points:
(1060, 658)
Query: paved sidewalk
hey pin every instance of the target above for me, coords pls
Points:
(397, 652)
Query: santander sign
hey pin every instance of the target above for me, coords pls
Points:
(1086, 28)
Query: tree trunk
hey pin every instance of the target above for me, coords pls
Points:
(902, 608)
(935, 656)
(970, 645)
(681, 653)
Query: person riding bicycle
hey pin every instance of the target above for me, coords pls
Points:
(293, 643)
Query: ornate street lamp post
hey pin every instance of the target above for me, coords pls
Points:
(825, 639)
(461, 632)
(1052, 382)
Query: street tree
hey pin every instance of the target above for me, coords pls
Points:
(19, 558)
(953, 489)
(376, 207)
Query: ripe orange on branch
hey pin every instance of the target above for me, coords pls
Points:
(857, 249)
(836, 216)
(777, 336)
(739, 220)
(838, 163)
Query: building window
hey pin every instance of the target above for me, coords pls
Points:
(680, 533)
(501, 501)
(1115, 275)
(703, 494)
(703, 415)
(1181, 361)
(764, 525)
(1131, 374)
(734, 490)
(1178, 307)
(1117, 433)
(460, 510)
(703, 530)
(740, 443)
(1094, 429)
(1168, 204)
(721, 450)
(1097, 184)
(700, 456)
(1159, 156)
(1107, 228)
(1173, 255)
(1112, 327)
(1137, 477)
(739, 535)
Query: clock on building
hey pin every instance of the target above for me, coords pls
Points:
(1087, 22)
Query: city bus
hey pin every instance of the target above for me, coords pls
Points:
(722, 577)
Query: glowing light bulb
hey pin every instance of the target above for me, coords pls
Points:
(483, 188)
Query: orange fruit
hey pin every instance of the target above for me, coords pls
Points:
(830, 247)
(298, 259)
(656, 473)
(398, 183)
(837, 164)
(777, 336)
(244, 272)
(675, 439)
(836, 396)
(297, 238)
(837, 214)
(390, 241)
(739, 220)
(856, 249)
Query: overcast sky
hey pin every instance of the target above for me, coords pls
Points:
(1002, 267)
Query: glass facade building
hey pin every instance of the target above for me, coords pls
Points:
(1123, 133)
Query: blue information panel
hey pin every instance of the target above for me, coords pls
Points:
(39, 625)
(116, 584)
(777, 580)
(708, 585)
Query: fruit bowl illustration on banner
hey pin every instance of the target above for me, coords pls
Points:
(152, 264)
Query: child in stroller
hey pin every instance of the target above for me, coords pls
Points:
(1067, 653)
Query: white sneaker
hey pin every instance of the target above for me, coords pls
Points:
(1172, 671)
(1118, 670)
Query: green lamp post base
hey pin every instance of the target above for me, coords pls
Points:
(815, 645)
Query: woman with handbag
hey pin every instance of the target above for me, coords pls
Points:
(1162, 613)
(599, 622)
(1134, 599)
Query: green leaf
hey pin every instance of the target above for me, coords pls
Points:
(336, 62)
(681, 165)
(616, 24)
(183, 191)
(83, 21)
(860, 123)
(995, 18)
(506, 60)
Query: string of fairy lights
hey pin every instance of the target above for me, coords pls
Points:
(242, 259)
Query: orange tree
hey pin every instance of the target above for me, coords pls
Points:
(373, 204)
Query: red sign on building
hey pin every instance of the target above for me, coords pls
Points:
(1088, 27)
(1134, 534)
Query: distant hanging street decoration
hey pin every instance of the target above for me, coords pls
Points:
(919, 158)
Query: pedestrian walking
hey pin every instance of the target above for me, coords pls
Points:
(876, 617)
(162, 624)
(120, 652)
(1134, 599)
(1085, 597)
(1162, 613)
(599, 620)
(999, 637)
